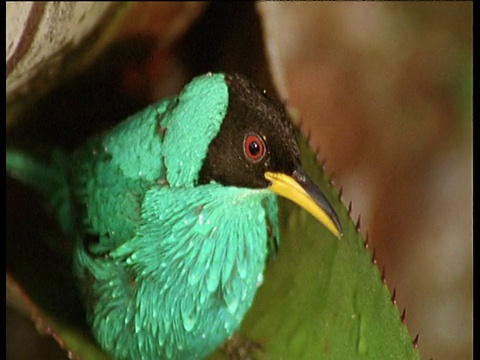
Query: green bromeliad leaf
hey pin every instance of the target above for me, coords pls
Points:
(323, 297)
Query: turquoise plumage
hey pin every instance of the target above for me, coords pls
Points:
(174, 213)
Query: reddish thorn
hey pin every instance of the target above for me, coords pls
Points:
(415, 341)
(404, 316)
(374, 257)
(340, 193)
(366, 241)
(394, 297)
(383, 275)
(358, 223)
(310, 142)
(331, 181)
(349, 207)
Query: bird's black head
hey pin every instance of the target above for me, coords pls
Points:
(256, 148)
(256, 137)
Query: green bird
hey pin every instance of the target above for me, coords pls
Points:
(174, 213)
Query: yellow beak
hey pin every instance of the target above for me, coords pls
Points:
(303, 191)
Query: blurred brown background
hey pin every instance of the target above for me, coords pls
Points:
(385, 92)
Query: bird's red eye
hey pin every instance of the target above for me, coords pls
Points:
(253, 147)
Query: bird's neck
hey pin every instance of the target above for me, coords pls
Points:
(210, 259)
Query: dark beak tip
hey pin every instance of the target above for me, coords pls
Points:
(338, 225)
